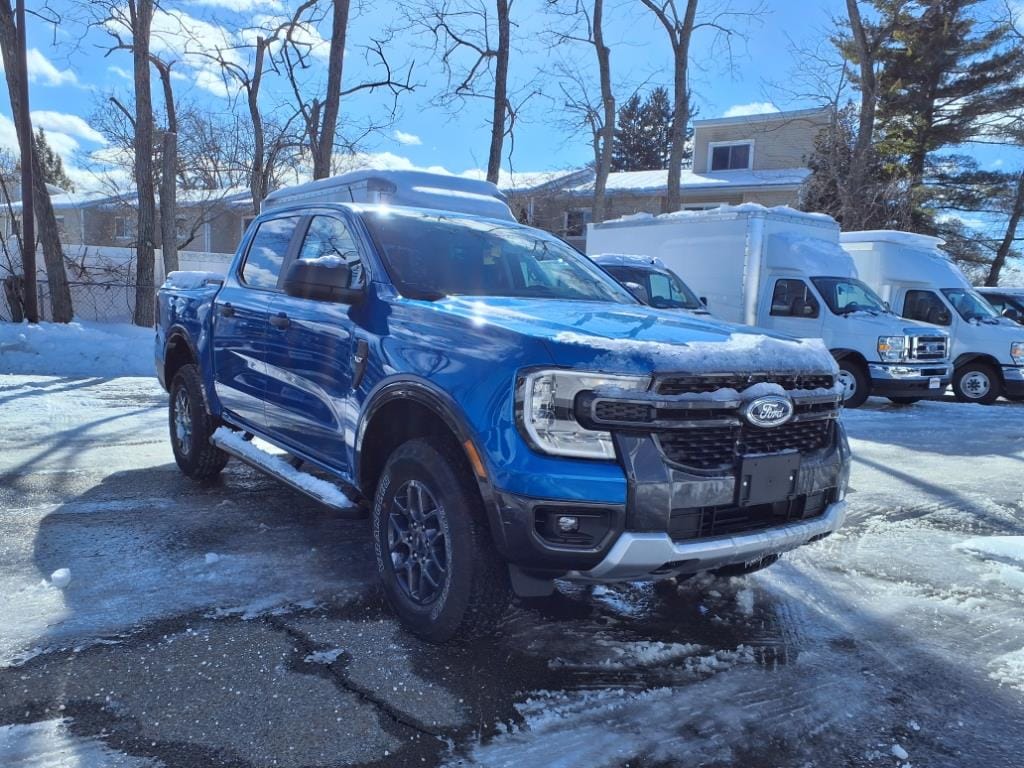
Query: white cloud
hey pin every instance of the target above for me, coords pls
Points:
(124, 74)
(409, 139)
(306, 36)
(68, 124)
(42, 70)
(240, 6)
(212, 81)
(382, 161)
(753, 108)
(8, 134)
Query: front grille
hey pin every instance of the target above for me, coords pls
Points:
(928, 347)
(707, 522)
(614, 410)
(677, 385)
(718, 447)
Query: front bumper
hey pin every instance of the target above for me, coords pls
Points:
(909, 380)
(646, 555)
(1013, 381)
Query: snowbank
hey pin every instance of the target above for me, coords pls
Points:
(76, 349)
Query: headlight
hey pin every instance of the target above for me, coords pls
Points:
(547, 412)
(891, 349)
(1017, 352)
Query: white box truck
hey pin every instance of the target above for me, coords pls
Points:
(784, 270)
(921, 283)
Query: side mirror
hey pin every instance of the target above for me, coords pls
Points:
(322, 280)
(1011, 314)
(704, 300)
(887, 305)
(638, 291)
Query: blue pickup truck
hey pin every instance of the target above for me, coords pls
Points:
(502, 410)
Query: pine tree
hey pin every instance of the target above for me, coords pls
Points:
(627, 144)
(643, 133)
(53, 166)
(657, 123)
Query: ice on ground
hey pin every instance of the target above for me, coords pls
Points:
(1008, 669)
(745, 601)
(61, 578)
(50, 744)
(329, 492)
(76, 349)
(211, 558)
(899, 752)
(1008, 549)
(324, 657)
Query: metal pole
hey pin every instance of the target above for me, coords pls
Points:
(28, 224)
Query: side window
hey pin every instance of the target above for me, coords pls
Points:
(925, 307)
(267, 252)
(792, 298)
(329, 239)
(661, 288)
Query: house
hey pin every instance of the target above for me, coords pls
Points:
(752, 158)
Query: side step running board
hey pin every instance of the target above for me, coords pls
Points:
(327, 493)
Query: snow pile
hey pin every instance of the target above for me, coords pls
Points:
(1008, 669)
(324, 657)
(52, 743)
(61, 578)
(76, 349)
(1007, 549)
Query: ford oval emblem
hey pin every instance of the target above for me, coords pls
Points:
(769, 411)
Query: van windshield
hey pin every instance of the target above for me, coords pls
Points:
(430, 255)
(969, 305)
(664, 288)
(845, 295)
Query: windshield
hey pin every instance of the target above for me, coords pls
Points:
(664, 289)
(430, 255)
(845, 295)
(970, 305)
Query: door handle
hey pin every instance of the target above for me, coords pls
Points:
(226, 310)
(280, 320)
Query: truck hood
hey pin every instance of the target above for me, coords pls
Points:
(891, 325)
(635, 338)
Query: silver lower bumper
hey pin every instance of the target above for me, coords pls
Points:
(638, 555)
(908, 373)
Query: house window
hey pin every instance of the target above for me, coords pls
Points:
(121, 231)
(576, 221)
(731, 157)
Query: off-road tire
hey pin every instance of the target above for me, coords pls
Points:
(194, 453)
(475, 589)
(862, 384)
(962, 383)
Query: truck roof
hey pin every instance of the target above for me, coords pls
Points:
(909, 239)
(1001, 289)
(414, 189)
(724, 212)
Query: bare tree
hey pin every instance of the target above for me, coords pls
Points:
(587, 26)
(473, 39)
(319, 107)
(168, 170)
(680, 26)
(48, 233)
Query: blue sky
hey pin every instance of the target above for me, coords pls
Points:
(72, 77)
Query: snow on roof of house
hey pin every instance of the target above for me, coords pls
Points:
(185, 197)
(639, 182)
(762, 117)
(534, 181)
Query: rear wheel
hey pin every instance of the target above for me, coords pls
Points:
(854, 380)
(977, 383)
(434, 553)
(905, 400)
(191, 427)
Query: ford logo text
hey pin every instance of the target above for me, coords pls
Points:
(769, 411)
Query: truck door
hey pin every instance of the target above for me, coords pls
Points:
(310, 353)
(240, 321)
(792, 308)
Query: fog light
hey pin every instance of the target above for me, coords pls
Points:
(568, 524)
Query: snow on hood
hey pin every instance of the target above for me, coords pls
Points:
(636, 338)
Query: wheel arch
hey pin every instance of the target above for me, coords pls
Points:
(978, 357)
(851, 355)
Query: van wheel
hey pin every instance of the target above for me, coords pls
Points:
(977, 383)
(904, 400)
(854, 380)
(433, 548)
(191, 427)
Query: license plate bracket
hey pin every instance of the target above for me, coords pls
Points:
(934, 382)
(767, 479)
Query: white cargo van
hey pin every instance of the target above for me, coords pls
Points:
(921, 283)
(784, 270)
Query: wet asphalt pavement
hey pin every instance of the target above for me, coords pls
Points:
(237, 624)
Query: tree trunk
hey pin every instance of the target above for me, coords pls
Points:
(500, 113)
(257, 175)
(47, 232)
(169, 175)
(1016, 212)
(606, 136)
(853, 215)
(141, 12)
(324, 149)
(681, 108)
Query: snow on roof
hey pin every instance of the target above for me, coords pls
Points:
(910, 239)
(760, 117)
(657, 181)
(72, 200)
(627, 260)
(726, 212)
(532, 181)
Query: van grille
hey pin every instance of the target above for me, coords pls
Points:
(721, 447)
(928, 348)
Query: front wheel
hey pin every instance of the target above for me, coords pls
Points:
(191, 427)
(434, 553)
(977, 383)
(904, 400)
(854, 381)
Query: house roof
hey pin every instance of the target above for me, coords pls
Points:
(656, 182)
(764, 117)
(73, 200)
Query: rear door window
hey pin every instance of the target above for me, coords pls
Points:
(793, 298)
(267, 252)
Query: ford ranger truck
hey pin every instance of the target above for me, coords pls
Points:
(503, 411)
